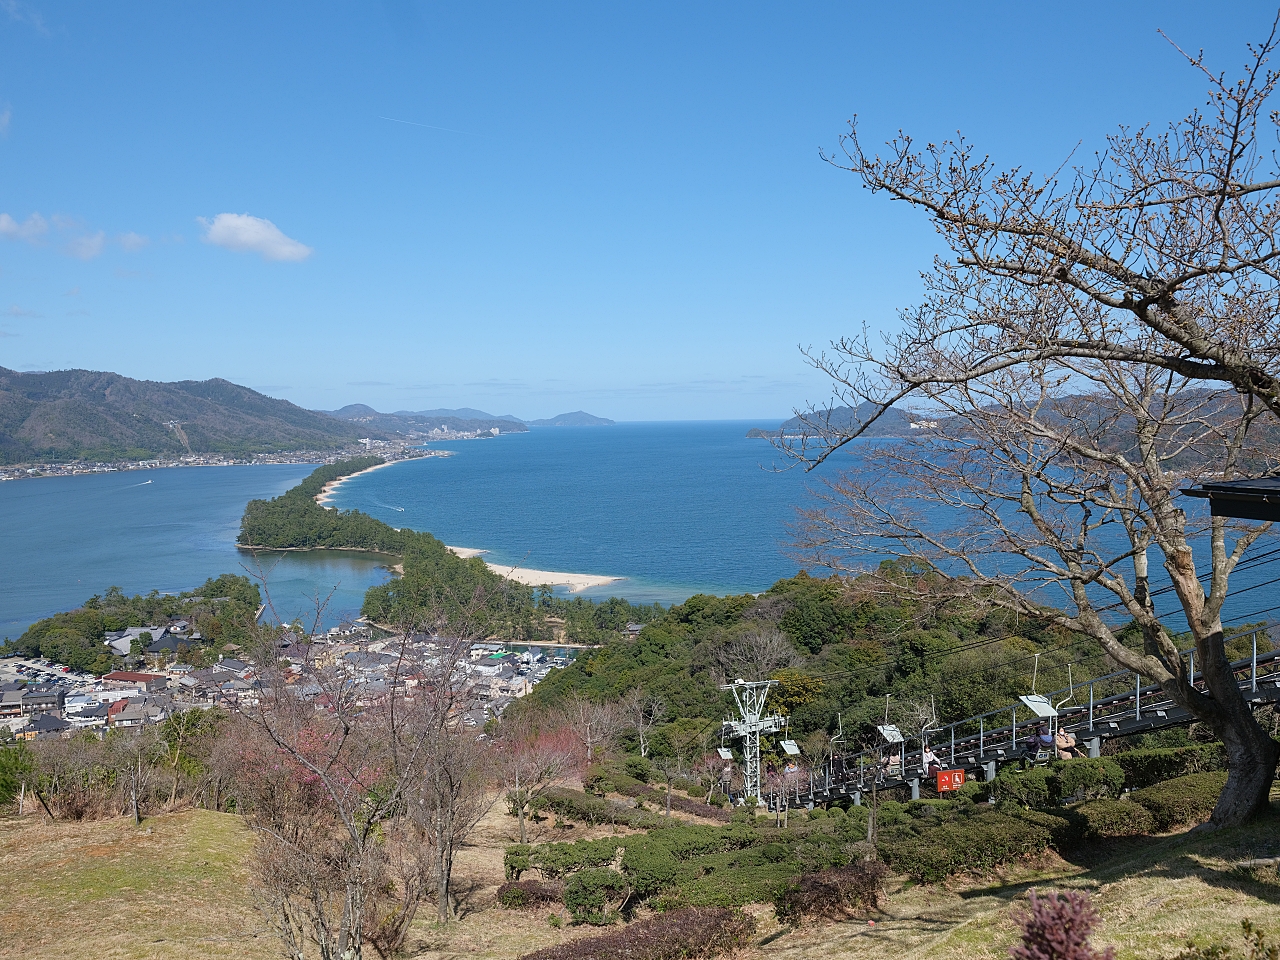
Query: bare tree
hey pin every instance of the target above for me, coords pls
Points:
(360, 791)
(1098, 339)
(642, 712)
(531, 758)
(754, 654)
(595, 724)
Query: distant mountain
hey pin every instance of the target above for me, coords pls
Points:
(462, 413)
(893, 423)
(425, 423)
(576, 419)
(90, 415)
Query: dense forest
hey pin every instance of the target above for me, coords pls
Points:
(836, 650)
(221, 611)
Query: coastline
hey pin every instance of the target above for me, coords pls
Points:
(326, 492)
(575, 582)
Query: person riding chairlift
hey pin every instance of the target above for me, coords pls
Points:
(929, 760)
(1065, 742)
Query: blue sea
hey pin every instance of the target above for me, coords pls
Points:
(672, 508)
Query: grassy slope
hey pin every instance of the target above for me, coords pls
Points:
(173, 888)
(180, 892)
(1154, 895)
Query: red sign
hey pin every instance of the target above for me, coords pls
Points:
(950, 780)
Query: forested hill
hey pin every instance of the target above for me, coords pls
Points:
(90, 415)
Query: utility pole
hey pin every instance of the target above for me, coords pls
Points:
(750, 696)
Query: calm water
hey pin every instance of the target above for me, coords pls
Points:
(68, 538)
(674, 508)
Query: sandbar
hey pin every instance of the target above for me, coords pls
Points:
(575, 582)
(326, 492)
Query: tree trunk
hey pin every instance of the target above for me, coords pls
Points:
(522, 835)
(1251, 752)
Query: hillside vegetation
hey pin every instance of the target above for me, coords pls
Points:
(221, 611)
(90, 415)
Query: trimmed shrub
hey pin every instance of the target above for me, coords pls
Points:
(831, 894)
(1115, 818)
(1029, 788)
(529, 893)
(975, 844)
(1144, 768)
(650, 867)
(689, 934)
(1088, 778)
(516, 860)
(555, 860)
(595, 896)
(1182, 801)
(583, 808)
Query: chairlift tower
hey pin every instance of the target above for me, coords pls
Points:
(750, 696)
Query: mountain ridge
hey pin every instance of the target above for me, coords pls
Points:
(77, 414)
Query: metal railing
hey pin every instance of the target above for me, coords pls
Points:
(1117, 702)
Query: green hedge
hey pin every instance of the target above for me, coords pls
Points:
(1115, 818)
(1082, 778)
(1182, 801)
(973, 844)
(1144, 768)
(594, 896)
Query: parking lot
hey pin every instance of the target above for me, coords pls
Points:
(42, 671)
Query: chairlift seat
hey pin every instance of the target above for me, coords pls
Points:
(725, 753)
(790, 748)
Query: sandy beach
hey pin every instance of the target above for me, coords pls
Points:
(576, 582)
(326, 492)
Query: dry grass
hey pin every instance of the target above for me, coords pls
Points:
(1154, 896)
(115, 891)
(172, 888)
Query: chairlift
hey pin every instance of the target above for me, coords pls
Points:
(789, 747)
(890, 733)
(725, 753)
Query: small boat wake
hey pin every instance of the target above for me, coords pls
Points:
(142, 484)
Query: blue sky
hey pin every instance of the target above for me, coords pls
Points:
(616, 208)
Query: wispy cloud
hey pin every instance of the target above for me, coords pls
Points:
(30, 230)
(73, 292)
(6, 333)
(367, 383)
(88, 246)
(22, 13)
(132, 241)
(17, 311)
(244, 233)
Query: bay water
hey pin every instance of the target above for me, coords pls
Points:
(672, 508)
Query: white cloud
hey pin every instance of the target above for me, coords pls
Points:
(240, 231)
(24, 14)
(88, 246)
(29, 230)
(132, 241)
(17, 311)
